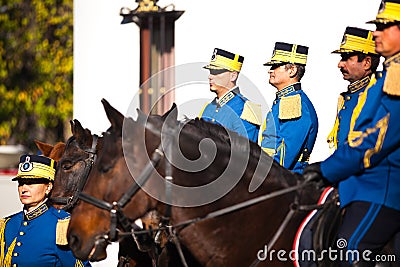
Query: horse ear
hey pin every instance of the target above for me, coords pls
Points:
(172, 109)
(82, 136)
(57, 152)
(44, 147)
(171, 116)
(114, 116)
(142, 117)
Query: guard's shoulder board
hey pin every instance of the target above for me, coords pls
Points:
(290, 107)
(252, 113)
(61, 231)
(391, 85)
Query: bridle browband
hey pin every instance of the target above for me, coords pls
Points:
(70, 202)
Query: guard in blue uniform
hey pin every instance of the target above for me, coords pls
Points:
(36, 236)
(230, 108)
(367, 168)
(358, 62)
(290, 129)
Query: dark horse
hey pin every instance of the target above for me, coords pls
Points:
(232, 238)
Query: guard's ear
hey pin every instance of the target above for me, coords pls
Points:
(234, 76)
(293, 71)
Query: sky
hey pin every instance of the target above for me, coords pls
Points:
(106, 53)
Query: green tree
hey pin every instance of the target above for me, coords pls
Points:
(36, 65)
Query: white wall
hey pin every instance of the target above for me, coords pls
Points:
(106, 53)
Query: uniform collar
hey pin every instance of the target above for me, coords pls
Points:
(289, 89)
(395, 59)
(358, 85)
(39, 210)
(228, 96)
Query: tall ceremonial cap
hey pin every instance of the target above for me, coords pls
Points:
(36, 167)
(222, 59)
(288, 53)
(357, 40)
(389, 11)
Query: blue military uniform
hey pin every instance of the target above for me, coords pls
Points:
(356, 41)
(28, 240)
(290, 128)
(346, 113)
(367, 168)
(376, 151)
(235, 112)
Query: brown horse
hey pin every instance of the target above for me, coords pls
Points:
(75, 159)
(211, 224)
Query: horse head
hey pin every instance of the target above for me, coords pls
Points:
(90, 242)
(74, 165)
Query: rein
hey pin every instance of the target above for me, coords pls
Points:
(237, 207)
(70, 202)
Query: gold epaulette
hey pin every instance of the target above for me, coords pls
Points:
(61, 231)
(391, 85)
(252, 113)
(290, 107)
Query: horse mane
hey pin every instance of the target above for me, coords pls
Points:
(223, 136)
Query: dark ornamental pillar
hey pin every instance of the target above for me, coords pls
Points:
(157, 52)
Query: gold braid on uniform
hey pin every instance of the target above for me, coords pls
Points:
(5, 258)
(2, 241)
(332, 137)
(356, 113)
(78, 263)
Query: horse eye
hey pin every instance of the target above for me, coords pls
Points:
(66, 165)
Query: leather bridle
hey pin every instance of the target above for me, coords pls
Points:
(70, 202)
